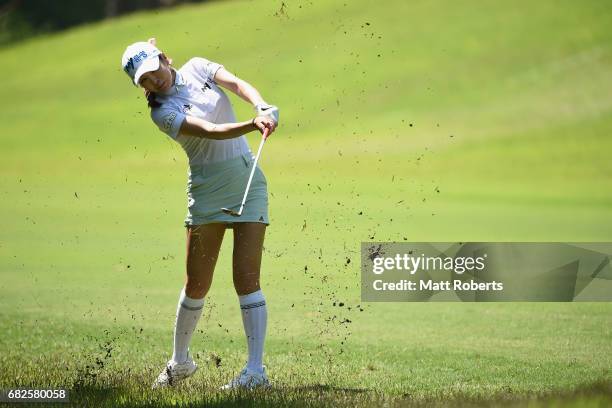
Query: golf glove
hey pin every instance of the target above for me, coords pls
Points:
(263, 109)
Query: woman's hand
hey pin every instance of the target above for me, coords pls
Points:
(264, 122)
(263, 109)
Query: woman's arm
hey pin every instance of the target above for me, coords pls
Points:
(193, 126)
(238, 86)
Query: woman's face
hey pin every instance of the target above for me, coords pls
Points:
(159, 80)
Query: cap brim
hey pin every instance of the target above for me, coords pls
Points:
(148, 65)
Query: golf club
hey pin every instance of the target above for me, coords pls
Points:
(233, 213)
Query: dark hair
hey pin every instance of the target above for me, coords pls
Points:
(151, 99)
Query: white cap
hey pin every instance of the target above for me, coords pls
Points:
(139, 58)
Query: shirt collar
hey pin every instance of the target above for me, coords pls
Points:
(179, 82)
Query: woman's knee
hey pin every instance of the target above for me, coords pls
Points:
(199, 278)
(246, 280)
(196, 289)
(246, 288)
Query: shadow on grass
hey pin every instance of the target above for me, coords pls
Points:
(598, 394)
(319, 395)
(328, 388)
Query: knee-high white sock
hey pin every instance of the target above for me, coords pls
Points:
(254, 318)
(188, 313)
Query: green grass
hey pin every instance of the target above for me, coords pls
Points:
(425, 121)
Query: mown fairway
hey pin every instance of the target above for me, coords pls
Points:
(418, 121)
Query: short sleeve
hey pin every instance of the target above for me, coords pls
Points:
(206, 68)
(168, 121)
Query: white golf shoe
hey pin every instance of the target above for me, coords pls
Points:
(175, 372)
(249, 379)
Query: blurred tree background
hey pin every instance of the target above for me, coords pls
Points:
(22, 19)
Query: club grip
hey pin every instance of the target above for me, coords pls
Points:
(266, 133)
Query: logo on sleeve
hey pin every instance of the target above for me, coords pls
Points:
(168, 121)
(206, 86)
(187, 107)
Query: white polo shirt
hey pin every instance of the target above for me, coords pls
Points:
(195, 93)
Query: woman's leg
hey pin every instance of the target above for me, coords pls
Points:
(248, 247)
(203, 244)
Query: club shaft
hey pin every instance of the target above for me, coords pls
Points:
(246, 191)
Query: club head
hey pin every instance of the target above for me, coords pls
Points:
(230, 212)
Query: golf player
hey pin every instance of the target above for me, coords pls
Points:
(189, 106)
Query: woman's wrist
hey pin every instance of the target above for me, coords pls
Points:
(253, 123)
